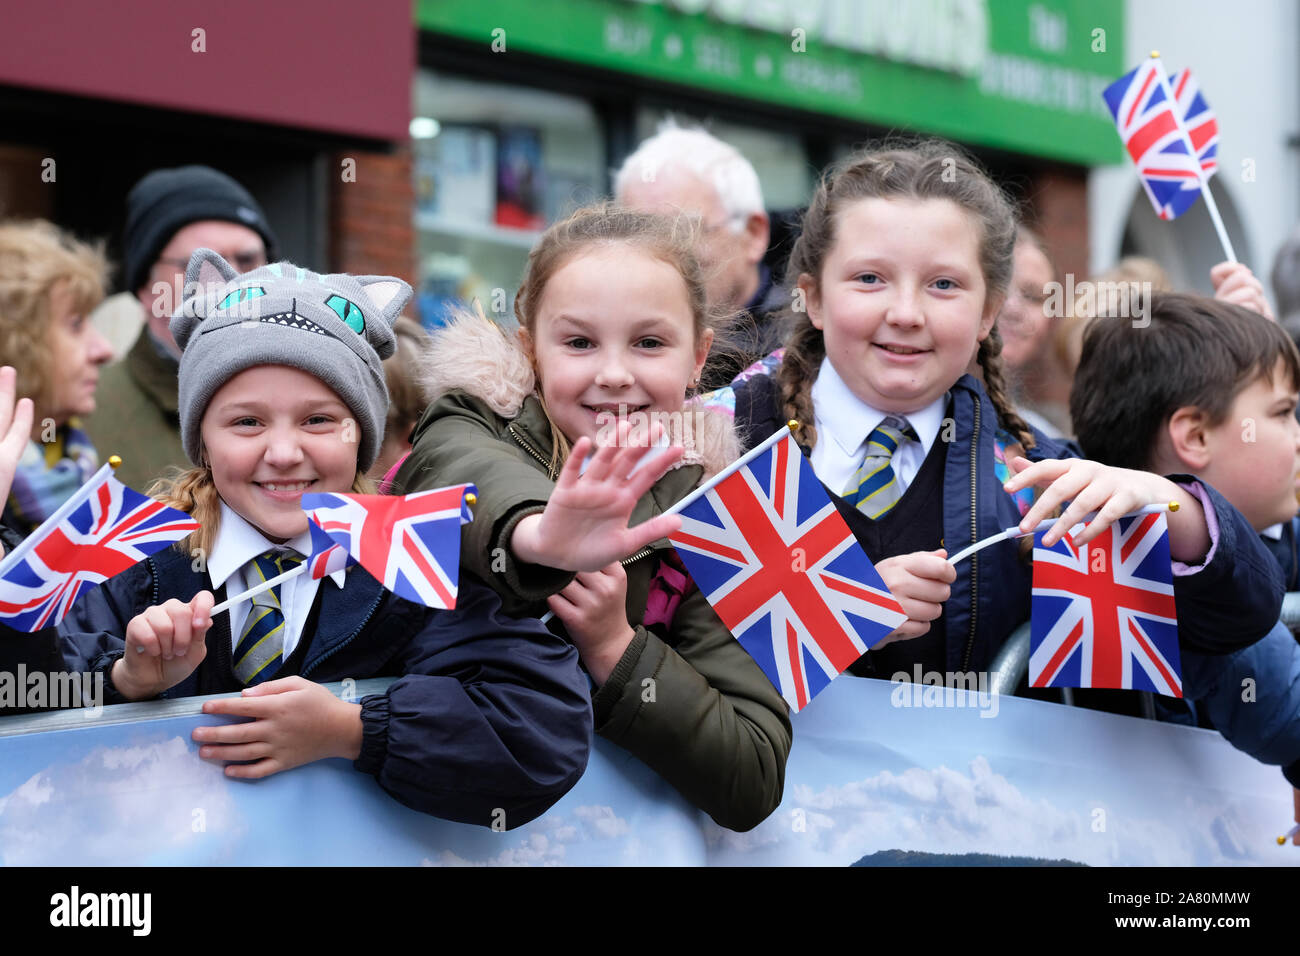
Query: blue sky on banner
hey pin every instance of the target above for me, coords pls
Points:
(934, 779)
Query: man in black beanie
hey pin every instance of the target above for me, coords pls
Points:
(169, 214)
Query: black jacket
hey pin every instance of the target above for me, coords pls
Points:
(489, 714)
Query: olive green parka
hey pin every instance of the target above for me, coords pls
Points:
(694, 707)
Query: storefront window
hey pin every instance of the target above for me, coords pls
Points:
(494, 165)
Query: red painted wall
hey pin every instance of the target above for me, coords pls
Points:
(342, 66)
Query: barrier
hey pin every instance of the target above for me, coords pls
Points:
(1291, 611)
(876, 768)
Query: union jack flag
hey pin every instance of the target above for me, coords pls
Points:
(1103, 613)
(1198, 119)
(784, 572)
(410, 543)
(326, 556)
(1150, 127)
(103, 530)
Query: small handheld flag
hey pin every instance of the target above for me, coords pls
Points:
(327, 555)
(102, 530)
(410, 543)
(783, 571)
(1198, 119)
(1103, 613)
(1150, 123)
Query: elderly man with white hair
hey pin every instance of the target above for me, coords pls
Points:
(691, 172)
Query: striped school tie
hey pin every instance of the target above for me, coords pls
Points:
(874, 488)
(258, 655)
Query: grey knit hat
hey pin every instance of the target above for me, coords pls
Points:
(335, 327)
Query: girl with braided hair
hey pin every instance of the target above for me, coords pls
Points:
(903, 262)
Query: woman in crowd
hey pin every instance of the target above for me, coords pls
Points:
(49, 283)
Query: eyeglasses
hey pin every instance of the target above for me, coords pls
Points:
(245, 261)
(708, 228)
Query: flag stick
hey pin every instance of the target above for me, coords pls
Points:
(469, 499)
(743, 460)
(264, 586)
(1200, 173)
(72, 504)
(1015, 532)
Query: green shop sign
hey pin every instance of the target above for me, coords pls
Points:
(1022, 75)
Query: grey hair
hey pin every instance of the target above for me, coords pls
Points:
(697, 151)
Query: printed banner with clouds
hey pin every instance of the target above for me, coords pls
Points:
(869, 781)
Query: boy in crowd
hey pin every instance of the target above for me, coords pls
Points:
(1210, 390)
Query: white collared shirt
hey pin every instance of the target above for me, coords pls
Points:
(231, 563)
(843, 423)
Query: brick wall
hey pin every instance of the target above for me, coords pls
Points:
(1059, 211)
(371, 231)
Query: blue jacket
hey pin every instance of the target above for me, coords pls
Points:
(1287, 554)
(489, 713)
(1252, 697)
(1228, 604)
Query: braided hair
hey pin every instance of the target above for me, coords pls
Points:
(902, 169)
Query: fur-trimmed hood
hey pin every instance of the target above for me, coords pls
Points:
(473, 354)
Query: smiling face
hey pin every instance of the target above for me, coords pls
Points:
(271, 434)
(614, 330)
(77, 350)
(901, 300)
(1254, 454)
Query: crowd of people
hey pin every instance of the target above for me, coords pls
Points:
(937, 396)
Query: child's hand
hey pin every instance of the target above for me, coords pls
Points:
(919, 582)
(594, 610)
(584, 526)
(1234, 283)
(1295, 840)
(295, 721)
(164, 644)
(15, 429)
(1112, 493)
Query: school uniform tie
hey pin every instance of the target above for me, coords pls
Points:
(874, 487)
(259, 653)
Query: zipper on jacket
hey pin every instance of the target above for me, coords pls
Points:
(338, 647)
(519, 439)
(974, 530)
(636, 557)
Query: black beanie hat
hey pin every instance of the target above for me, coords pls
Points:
(166, 200)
